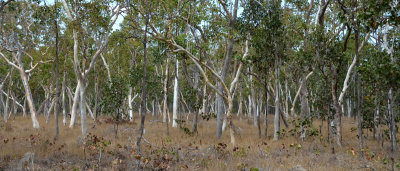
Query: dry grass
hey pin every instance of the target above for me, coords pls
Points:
(179, 151)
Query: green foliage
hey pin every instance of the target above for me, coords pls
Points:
(303, 124)
(209, 116)
(113, 97)
(153, 84)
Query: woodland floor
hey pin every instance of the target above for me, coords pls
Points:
(180, 151)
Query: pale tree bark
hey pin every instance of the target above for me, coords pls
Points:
(82, 72)
(107, 68)
(24, 77)
(165, 92)
(7, 103)
(348, 74)
(1, 93)
(130, 110)
(74, 107)
(298, 93)
(228, 94)
(392, 123)
(376, 120)
(276, 117)
(83, 109)
(253, 100)
(348, 107)
(176, 95)
(240, 109)
(64, 110)
(204, 109)
(232, 20)
(96, 96)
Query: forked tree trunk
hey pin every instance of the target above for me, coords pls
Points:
(75, 105)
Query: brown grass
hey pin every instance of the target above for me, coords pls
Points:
(179, 151)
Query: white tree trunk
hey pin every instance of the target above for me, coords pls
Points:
(74, 105)
(348, 107)
(28, 95)
(130, 104)
(204, 109)
(176, 95)
(63, 102)
(253, 100)
(277, 117)
(6, 107)
(83, 109)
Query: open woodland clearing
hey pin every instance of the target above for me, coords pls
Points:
(180, 151)
(108, 84)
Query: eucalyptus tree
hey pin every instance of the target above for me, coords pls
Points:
(24, 29)
(230, 17)
(263, 21)
(91, 19)
(166, 32)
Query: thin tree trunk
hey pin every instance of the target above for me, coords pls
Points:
(130, 110)
(277, 117)
(96, 96)
(204, 110)
(266, 113)
(165, 103)
(359, 116)
(6, 106)
(240, 109)
(2, 105)
(330, 131)
(57, 76)
(144, 93)
(28, 95)
(82, 98)
(63, 101)
(348, 107)
(253, 100)
(176, 95)
(376, 121)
